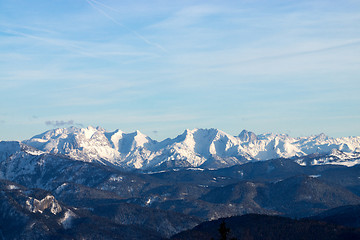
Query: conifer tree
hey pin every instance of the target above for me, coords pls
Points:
(223, 230)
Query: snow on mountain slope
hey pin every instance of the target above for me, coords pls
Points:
(197, 146)
(210, 148)
(95, 144)
(268, 146)
(336, 157)
(85, 144)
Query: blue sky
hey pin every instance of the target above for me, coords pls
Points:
(164, 66)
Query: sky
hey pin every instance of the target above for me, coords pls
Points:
(162, 67)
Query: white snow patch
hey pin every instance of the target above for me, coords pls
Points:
(34, 152)
(66, 221)
(60, 188)
(150, 200)
(155, 172)
(12, 187)
(301, 162)
(241, 173)
(195, 169)
(116, 178)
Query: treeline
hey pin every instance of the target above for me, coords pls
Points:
(263, 227)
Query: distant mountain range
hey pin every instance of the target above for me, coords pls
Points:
(200, 148)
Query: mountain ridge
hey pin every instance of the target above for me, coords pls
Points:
(209, 148)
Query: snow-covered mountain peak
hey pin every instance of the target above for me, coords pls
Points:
(79, 143)
(321, 137)
(246, 136)
(93, 144)
(141, 139)
(88, 132)
(201, 136)
(133, 140)
(194, 147)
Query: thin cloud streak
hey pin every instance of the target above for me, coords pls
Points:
(141, 37)
(189, 16)
(312, 51)
(79, 47)
(333, 57)
(63, 43)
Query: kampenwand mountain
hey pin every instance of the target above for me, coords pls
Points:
(199, 148)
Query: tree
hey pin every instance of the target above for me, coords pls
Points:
(223, 230)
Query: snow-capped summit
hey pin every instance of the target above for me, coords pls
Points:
(247, 136)
(127, 142)
(91, 144)
(200, 146)
(211, 148)
(206, 142)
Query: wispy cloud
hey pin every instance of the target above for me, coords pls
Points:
(95, 5)
(52, 43)
(61, 123)
(189, 16)
(69, 45)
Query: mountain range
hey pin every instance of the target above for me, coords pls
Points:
(88, 183)
(200, 148)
